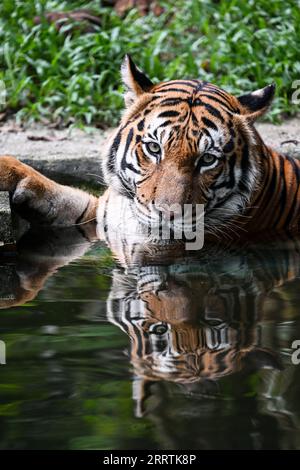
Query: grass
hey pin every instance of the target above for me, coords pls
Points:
(67, 77)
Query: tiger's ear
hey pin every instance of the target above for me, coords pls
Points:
(255, 104)
(135, 81)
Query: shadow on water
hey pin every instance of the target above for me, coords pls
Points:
(156, 349)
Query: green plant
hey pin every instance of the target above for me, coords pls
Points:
(68, 77)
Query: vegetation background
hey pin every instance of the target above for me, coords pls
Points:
(66, 70)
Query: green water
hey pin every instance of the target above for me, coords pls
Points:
(210, 367)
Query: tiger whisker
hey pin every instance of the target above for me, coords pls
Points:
(100, 178)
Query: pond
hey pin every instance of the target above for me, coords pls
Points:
(173, 352)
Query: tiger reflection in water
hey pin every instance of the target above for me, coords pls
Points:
(191, 320)
(200, 319)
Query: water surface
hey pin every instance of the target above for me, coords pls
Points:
(190, 353)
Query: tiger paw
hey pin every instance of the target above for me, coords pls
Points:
(22, 181)
(11, 172)
(30, 191)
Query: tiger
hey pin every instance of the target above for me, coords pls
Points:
(179, 142)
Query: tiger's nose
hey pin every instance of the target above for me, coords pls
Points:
(172, 205)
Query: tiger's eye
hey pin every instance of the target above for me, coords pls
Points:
(153, 147)
(160, 329)
(208, 159)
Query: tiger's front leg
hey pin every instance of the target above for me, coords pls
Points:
(42, 201)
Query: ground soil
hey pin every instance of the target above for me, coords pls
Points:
(78, 154)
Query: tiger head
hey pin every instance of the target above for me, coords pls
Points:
(192, 322)
(186, 142)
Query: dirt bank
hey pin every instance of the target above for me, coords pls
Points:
(78, 154)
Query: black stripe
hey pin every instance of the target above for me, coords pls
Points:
(217, 100)
(232, 165)
(170, 113)
(296, 171)
(223, 95)
(229, 146)
(140, 125)
(172, 101)
(207, 122)
(270, 189)
(243, 183)
(189, 83)
(223, 201)
(130, 166)
(194, 119)
(282, 199)
(245, 159)
(128, 142)
(231, 183)
(165, 124)
(112, 153)
(296, 168)
(180, 90)
(211, 109)
(217, 91)
(171, 140)
(272, 185)
(129, 192)
(140, 182)
(206, 132)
